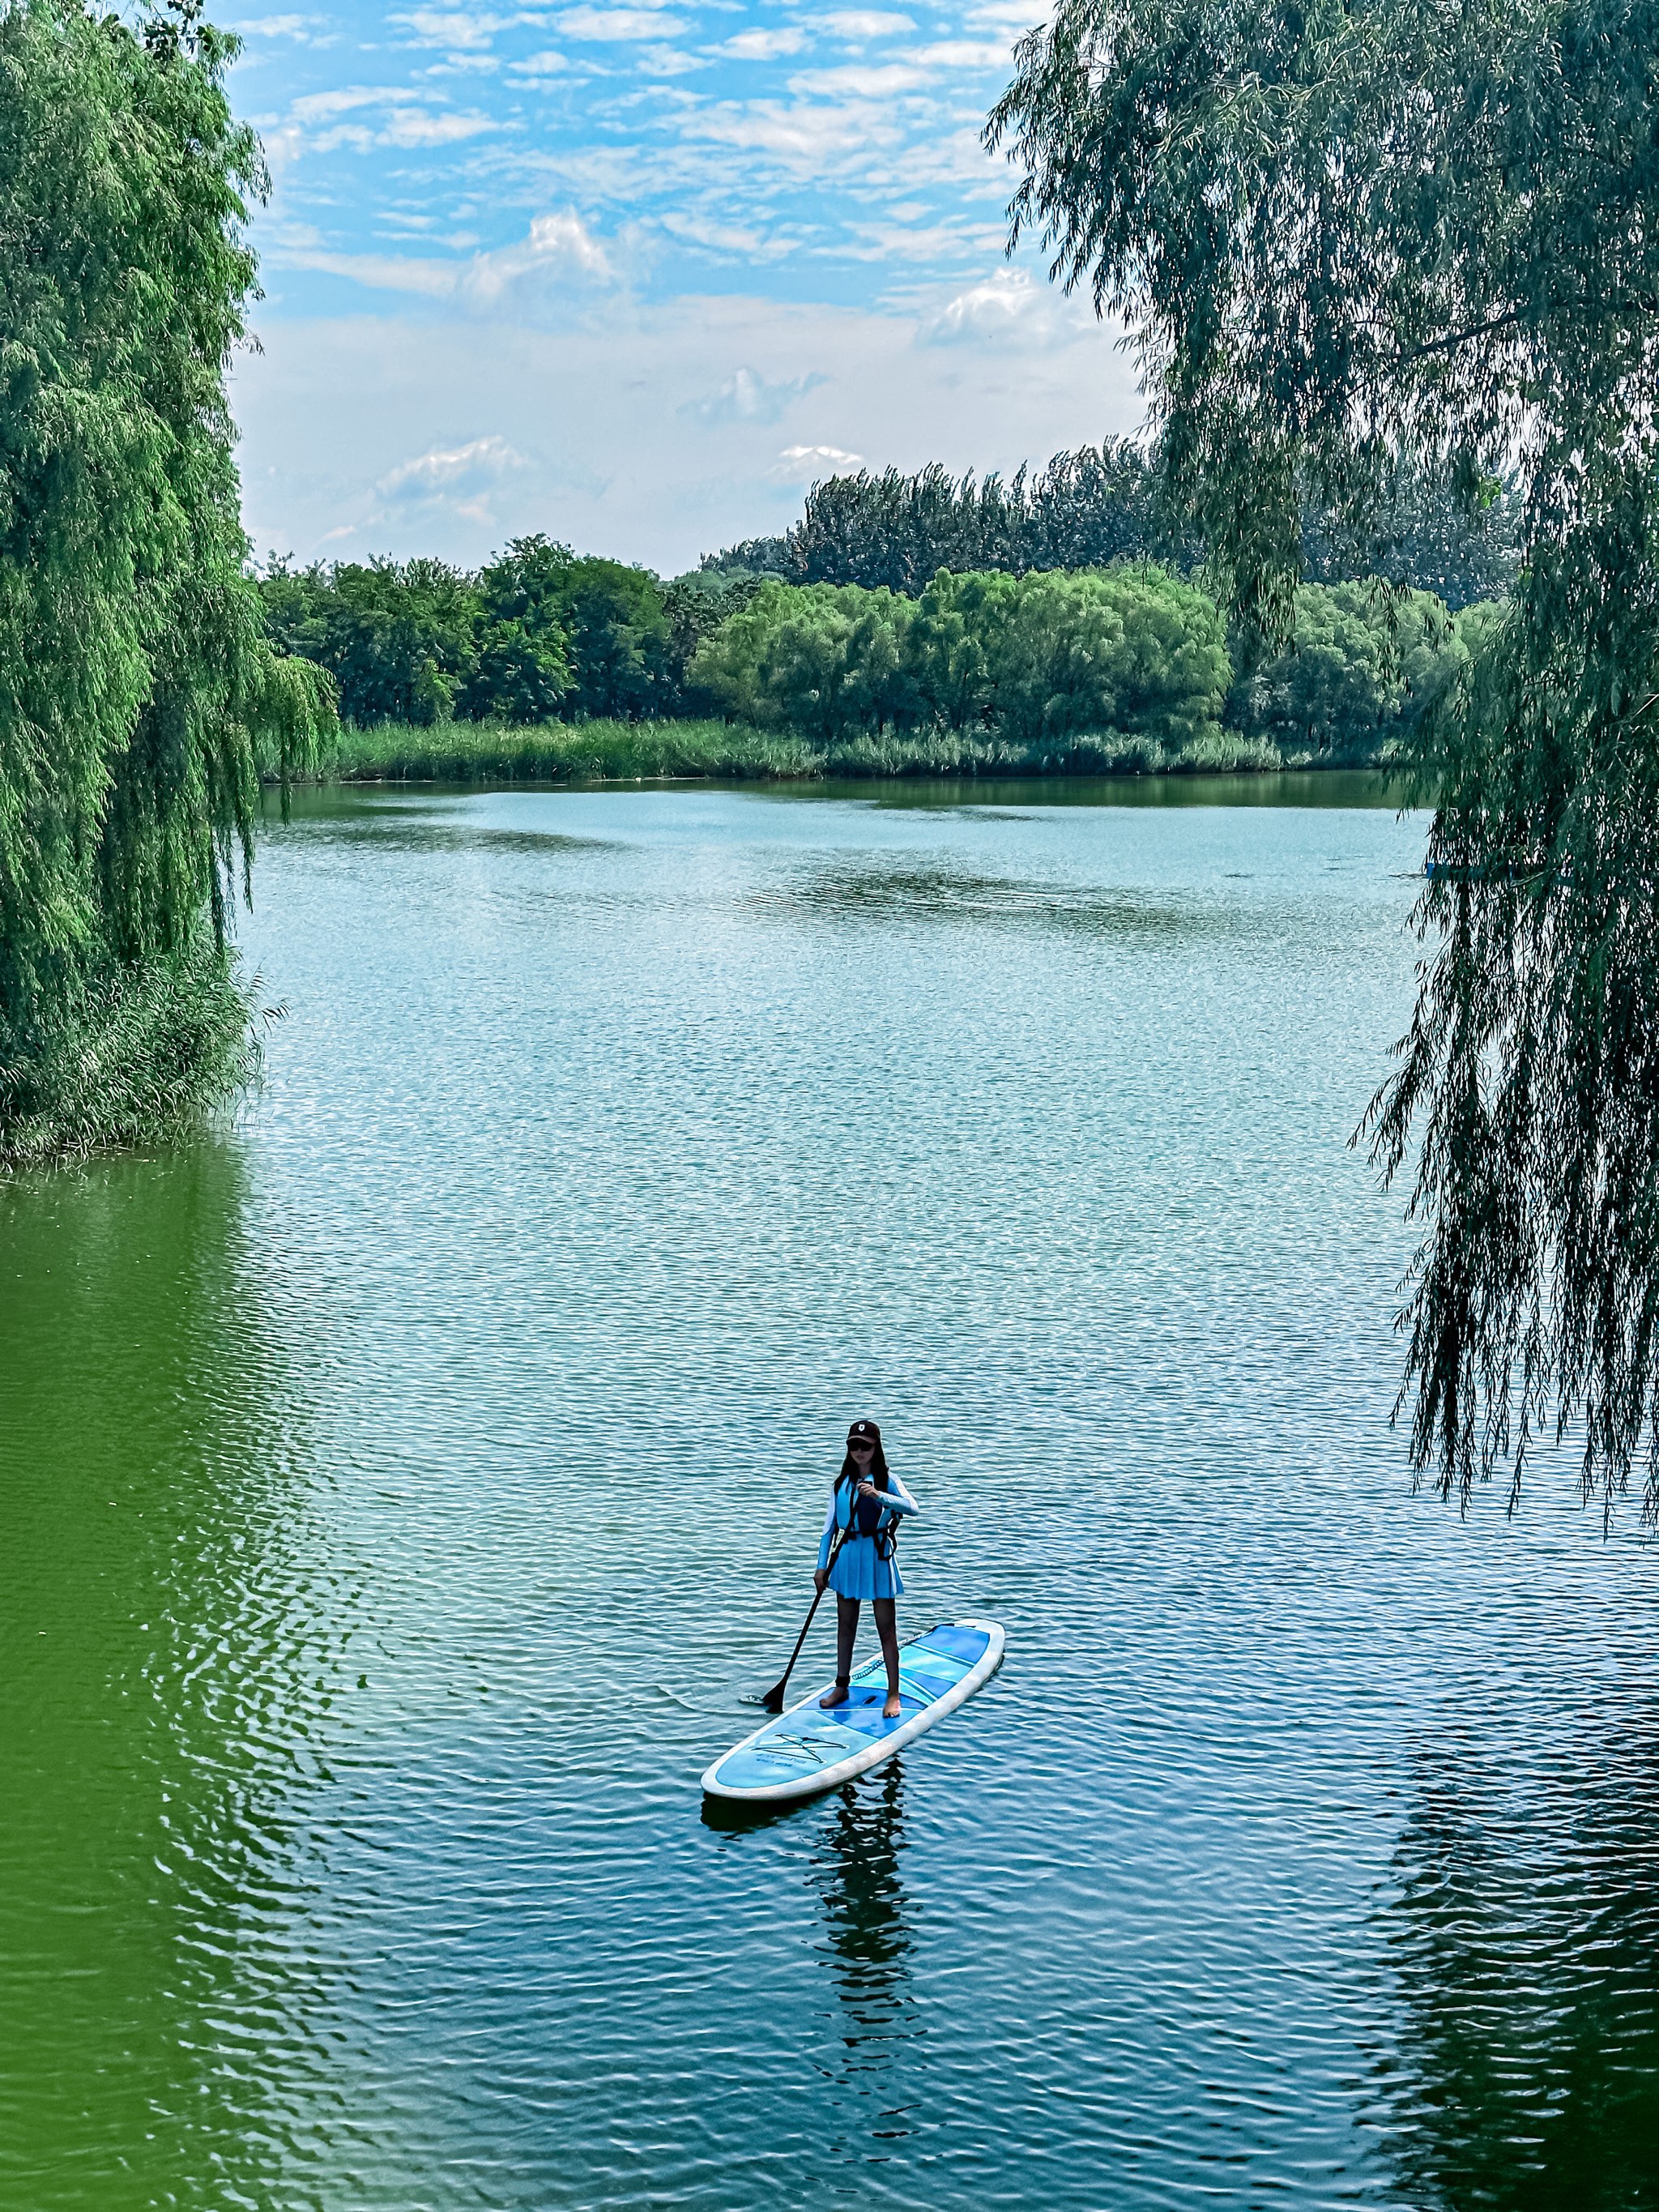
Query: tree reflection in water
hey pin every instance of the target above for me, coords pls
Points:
(856, 1872)
(1526, 1947)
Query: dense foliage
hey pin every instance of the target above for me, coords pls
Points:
(135, 678)
(1409, 233)
(536, 632)
(1049, 659)
(1356, 673)
(1133, 653)
(1105, 503)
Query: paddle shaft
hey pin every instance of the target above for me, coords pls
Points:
(818, 1600)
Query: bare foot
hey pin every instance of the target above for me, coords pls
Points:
(837, 1696)
(892, 1708)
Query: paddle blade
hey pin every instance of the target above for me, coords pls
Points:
(773, 1700)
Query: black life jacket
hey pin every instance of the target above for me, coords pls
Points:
(866, 1520)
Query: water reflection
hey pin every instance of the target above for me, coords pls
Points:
(158, 1663)
(883, 893)
(856, 1870)
(1526, 1943)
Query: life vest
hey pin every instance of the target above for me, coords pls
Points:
(866, 1517)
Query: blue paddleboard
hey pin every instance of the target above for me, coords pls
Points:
(811, 1748)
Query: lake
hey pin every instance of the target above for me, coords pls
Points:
(402, 1487)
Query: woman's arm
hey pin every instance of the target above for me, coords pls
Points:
(895, 1497)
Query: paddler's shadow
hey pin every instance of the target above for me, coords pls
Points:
(856, 1870)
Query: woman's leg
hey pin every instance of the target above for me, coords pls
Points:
(847, 1630)
(887, 1629)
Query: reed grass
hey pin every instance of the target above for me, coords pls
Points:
(628, 752)
(137, 1056)
(553, 752)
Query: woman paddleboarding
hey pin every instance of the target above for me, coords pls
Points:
(865, 1504)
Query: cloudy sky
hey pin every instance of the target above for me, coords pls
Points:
(636, 274)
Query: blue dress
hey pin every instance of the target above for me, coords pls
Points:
(860, 1572)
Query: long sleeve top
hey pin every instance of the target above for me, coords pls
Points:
(895, 1502)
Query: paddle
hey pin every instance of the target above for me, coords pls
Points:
(773, 1700)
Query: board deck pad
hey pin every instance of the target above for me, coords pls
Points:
(811, 1746)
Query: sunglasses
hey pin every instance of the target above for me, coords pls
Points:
(859, 1444)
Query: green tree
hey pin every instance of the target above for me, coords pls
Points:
(956, 646)
(611, 617)
(1131, 651)
(1041, 658)
(827, 660)
(1103, 504)
(694, 605)
(524, 672)
(1358, 671)
(401, 640)
(1408, 234)
(136, 681)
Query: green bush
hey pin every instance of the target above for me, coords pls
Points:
(1356, 674)
(1037, 659)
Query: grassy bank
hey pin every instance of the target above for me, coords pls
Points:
(133, 1055)
(628, 752)
(553, 752)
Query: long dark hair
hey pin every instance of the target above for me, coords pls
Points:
(877, 1468)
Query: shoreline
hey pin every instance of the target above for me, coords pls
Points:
(598, 753)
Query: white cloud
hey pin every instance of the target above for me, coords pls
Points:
(556, 246)
(304, 30)
(746, 397)
(345, 99)
(462, 473)
(454, 30)
(762, 45)
(725, 238)
(962, 54)
(1011, 19)
(1008, 309)
(413, 126)
(408, 116)
(330, 409)
(665, 60)
(539, 66)
(859, 81)
(803, 137)
(856, 24)
(618, 24)
(804, 465)
(554, 241)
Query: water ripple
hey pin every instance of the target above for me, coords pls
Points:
(402, 1491)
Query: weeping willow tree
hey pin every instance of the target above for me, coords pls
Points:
(137, 682)
(1351, 239)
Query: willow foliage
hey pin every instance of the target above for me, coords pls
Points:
(1353, 236)
(136, 677)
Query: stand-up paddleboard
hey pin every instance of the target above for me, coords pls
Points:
(811, 1748)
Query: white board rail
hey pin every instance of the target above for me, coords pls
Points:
(811, 1748)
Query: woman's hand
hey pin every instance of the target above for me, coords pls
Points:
(821, 1580)
(868, 1490)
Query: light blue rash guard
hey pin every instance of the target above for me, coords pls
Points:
(860, 1570)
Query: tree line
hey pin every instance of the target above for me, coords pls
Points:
(1111, 502)
(1040, 659)
(538, 632)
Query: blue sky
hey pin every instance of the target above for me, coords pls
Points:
(636, 274)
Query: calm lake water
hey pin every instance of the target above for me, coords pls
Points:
(401, 1488)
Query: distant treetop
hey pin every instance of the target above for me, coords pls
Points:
(1098, 505)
